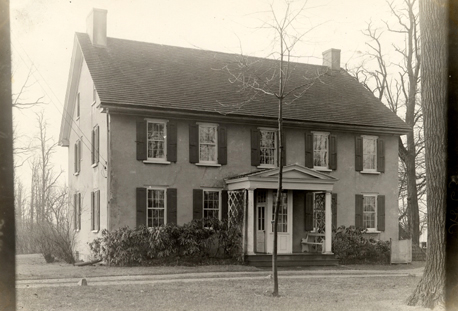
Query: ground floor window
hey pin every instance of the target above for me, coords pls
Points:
(156, 207)
(319, 212)
(369, 211)
(211, 204)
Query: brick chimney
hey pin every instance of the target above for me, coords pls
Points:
(331, 59)
(96, 27)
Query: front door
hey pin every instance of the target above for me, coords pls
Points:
(260, 229)
(285, 243)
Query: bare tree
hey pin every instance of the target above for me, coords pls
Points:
(433, 25)
(400, 92)
(273, 78)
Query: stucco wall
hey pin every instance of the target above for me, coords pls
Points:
(127, 173)
(90, 178)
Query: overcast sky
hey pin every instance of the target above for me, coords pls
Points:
(43, 33)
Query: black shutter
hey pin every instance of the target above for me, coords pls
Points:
(358, 154)
(309, 211)
(171, 206)
(97, 144)
(380, 156)
(92, 210)
(97, 201)
(75, 211)
(381, 213)
(334, 210)
(283, 151)
(93, 146)
(193, 143)
(141, 140)
(76, 158)
(222, 145)
(255, 146)
(224, 205)
(141, 207)
(79, 211)
(308, 150)
(197, 204)
(79, 154)
(172, 141)
(359, 211)
(332, 152)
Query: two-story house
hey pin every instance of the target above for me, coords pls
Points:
(154, 138)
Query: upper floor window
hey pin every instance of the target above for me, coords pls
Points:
(78, 107)
(95, 145)
(369, 153)
(268, 147)
(157, 143)
(208, 143)
(321, 150)
(77, 157)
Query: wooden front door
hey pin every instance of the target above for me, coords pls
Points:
(261, 229)
(284, 222)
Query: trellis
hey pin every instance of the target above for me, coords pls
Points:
(237, 201)
(319, 213)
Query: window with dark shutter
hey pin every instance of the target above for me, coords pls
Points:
(193, 143)
(309, 211)
(141, 140)
(222, 145)
(308, 149)
(172, 141)
(141, 206)
(197, 203)
(381, 213)
(95, 145)
(334, 210)
(359, 154)
(359, 211)
(380, 156)
(332, 152)
(171, 207)
(255, 142)
(224, 205)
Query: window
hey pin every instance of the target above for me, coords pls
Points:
(369, 153)
(78, 106)
(156, 140)
(369, 211)
(261, 202)
(268, 147)
(77, 211)
(95, 210)
(95, 145)
(156, 208)
(77, 157)
(320, 150)
(208, 143)
(319, 213)
(282, 213)
(211, 204)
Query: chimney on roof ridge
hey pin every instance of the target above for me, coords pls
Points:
(331, 59)
(96, 27)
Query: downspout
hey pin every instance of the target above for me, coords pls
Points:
(108, 171)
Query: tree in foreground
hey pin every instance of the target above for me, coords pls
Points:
(433, 26)
(275, 77)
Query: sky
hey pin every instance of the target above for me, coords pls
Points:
(42, 34)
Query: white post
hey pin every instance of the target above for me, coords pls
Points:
(250, 223)
(328, 224)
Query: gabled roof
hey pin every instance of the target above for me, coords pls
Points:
(139, 74)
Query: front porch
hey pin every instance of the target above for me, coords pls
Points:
(304, 221)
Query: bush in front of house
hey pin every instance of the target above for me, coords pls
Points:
(198, 240)
(351, 247)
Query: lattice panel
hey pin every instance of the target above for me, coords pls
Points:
(319, 214)
(237, 200)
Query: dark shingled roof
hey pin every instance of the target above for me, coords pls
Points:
(139, 73)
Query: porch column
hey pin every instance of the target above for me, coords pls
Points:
(249, 223)
(328, 224)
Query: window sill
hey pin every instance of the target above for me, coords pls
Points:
(370, 172)
(322, 169)
(95, 165)
(93, 103)
(156, 162)
(372, 232)
(266, 166)
(95, 231)
(208, 164)
(76, 174)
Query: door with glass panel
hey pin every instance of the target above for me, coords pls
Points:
(261, 206)
(284, 222)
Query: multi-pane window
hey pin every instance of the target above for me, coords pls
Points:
(320, 150)
(369, 153)
(261, 202)
(77, 211)
(319, 213)
(211, 204)
(208, 143)
(156, 208)
(282, 212)
(95, 210)
(157, 134)
(369, 211)
(268, 147)
(95, 145)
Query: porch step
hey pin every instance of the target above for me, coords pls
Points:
(292, 260)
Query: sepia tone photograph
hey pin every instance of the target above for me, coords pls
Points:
(225, 155)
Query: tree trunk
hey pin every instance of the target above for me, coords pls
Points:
(433, 26)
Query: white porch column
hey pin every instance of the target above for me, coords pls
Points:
(249, 223)
(328, 224)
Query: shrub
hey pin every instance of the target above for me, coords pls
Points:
(351, 247)
(127, 246)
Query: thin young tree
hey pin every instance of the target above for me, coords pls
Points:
(433, 25)
(273, 78)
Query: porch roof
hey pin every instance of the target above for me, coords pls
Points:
(295, 177)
